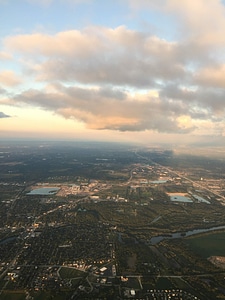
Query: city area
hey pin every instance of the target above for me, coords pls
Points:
(110, 221)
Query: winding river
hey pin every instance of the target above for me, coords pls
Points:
(157, 239)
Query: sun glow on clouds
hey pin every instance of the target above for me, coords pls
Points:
(9, 78)
(128, 82)
(37, 121)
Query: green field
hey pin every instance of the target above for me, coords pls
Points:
(207, 245)
(47, 295)
(68, 273)
(164, 284)
(10, 295)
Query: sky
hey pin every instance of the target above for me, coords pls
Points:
(142, 71)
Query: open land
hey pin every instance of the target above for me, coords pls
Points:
(110, 221)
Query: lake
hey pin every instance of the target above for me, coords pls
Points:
(179, 198)
(44, 191)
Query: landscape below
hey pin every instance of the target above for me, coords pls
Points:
(110, 221)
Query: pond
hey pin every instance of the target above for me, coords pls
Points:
(179, 198)
(44, 191)
(158, 181)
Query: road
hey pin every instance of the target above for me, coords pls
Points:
(195, 184)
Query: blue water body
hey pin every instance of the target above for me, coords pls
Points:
(157, 239)
(178, 198)
(7, 240)
(44, 191)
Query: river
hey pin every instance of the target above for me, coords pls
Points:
(157, 239)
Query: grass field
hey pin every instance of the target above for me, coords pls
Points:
(208, 244)
(68, 273)
(47, 295)
(164, 284)
(10, 295)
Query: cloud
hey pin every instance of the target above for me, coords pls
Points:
(128, 80)
(114, 109)
(2, 92)
(2, 115)
(205, 21)
(9, 78)
(202, 102)
(104, 78)
(5, 56)
(201, 21)
(213, 76)
(101, 56)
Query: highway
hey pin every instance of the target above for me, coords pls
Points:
(195, 184)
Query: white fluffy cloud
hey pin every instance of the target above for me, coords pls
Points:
(102, 56)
